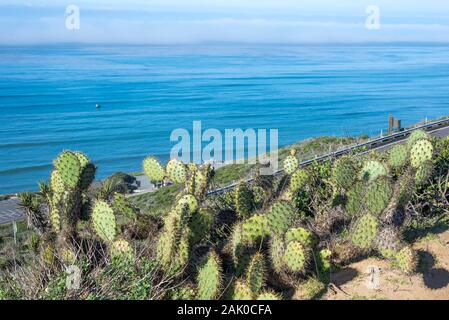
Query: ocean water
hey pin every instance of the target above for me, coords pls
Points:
(48, 96)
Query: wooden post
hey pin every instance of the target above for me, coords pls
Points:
(398, 125)
(390, 123)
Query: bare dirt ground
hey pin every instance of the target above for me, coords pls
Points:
(431, 282)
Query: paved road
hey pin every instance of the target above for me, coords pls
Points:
(10, 211)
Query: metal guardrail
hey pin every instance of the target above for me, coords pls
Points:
(371, 144)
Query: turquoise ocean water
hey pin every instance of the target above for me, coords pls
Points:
(48, 96)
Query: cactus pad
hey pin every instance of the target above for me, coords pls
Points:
(424, 173)
(407, 260)
(304, 236)
(298, 180)
(398, 156)
(295, 257)
(244, 202)
(343, 172)
(69, 168)
(254, 230)
(176, 171)
(291, 163)
(241, 291)
(268, 296)
(210, 277)
(255, 274)
(421, 152)
(87, 170)
(153, 169)
(373, 170)
(364, 231)
(103, 220)
(280, 217)
(200, 225)
(378, 195)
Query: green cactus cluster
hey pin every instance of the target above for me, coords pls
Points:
(263, 245)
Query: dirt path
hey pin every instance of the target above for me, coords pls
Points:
(430, 283)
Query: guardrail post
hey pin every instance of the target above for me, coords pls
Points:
(14, 230)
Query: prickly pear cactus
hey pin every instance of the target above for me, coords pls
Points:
(372, 170)
(181, 254)
(310, 289)
(153, 169)
(343, 172)
(421, 152)
(210, 278)
(69, 169)
(87, 170)
(378, 195)
(176, 171)
(356, 199)
(259, 195)
(304, 236)
(295, 257)
(406, 260)
(277, 249)
(103, 221)
(56, 182)
(398, 156)
(189, 201)
(291, 163)
(55, 218)
(424, 173)
(388, 242)
(241, 291)
(200, 225)
(280, 217)
(416, 136)
(254, 230)
(364, 231)
(244, 202)
(298, 180)
(269, 295)
(121, 250)
(323, 262)
(123, 206)
(255, 274)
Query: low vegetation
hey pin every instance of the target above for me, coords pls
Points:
(274, 238)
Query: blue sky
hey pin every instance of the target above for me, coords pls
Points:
(247, 21)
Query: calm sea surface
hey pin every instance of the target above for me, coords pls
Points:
(48, 97)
